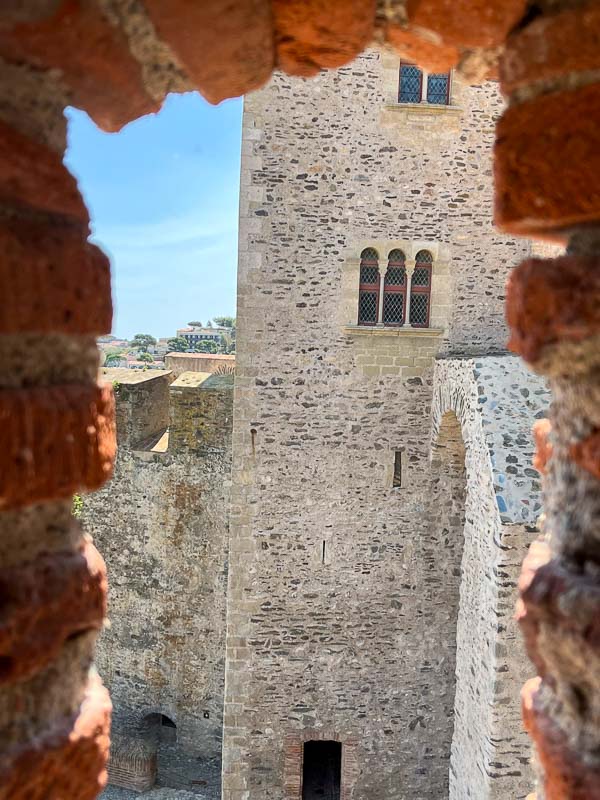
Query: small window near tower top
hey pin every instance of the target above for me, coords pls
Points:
(438, 88)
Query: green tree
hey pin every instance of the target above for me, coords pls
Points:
(145, 357)
(178, 344)
(113, 360)
(142, 341)
(225, 322)
(207, 346)
(195, 324)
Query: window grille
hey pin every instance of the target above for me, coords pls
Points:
(438, 88)
(420, 290)
(394, 289)
(411, 84)
(368, 295)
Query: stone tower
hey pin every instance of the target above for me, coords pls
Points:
(382, 496)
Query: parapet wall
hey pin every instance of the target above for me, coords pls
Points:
(162, 526)
(200, 362)
(490, 404)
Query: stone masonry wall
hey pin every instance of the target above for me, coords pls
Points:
(493, 401)
(162, 525)
(341, 610)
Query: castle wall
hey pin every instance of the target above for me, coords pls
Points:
(343, 616)
(162, 527)
(493, 402)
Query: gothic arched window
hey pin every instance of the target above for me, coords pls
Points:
(411, 83)
(368, 294)
(394, 289)
(420, 290)
(438, 88)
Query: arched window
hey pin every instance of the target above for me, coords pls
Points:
(438, 88)
(420, 290)
(368, 295)
(411, 83)
(394, 289)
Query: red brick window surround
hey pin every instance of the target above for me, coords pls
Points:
(293, 751)
(420, 290)
(368, 293)
(394, 290)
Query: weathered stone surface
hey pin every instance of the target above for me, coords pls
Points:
(67, 761)
(54, 441)
(551, 48)
(543, 446)
(42, 255)
(44, 602)
(311, 35)
(34, 175)
(92, 55)
(335, 575)
(467, 23)
(565, 774)
(552, 301)
(546, 149)
(227, 47)
(164, 651)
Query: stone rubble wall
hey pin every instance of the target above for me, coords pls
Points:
(162, 524)
(495, 402)
(336, 641)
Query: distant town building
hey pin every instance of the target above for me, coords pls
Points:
(193, 335)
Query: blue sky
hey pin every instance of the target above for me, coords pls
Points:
(163, 200)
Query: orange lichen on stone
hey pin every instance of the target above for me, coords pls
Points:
(54, 441)
(315, 34)
(551, 47)
(566, 775)
(548, 301)
(467, 23)
(543, 447)
(92, 55)
(44, 602)
(37, 283)
(227, 47)
(412, 46)
(586, 453)
(68, 762)
(48, 186)
(546, 156)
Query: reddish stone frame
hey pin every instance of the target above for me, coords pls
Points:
(293, 750)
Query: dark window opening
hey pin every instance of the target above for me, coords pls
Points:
(394, 289)
(368, 296)
(420, 290)
(438, 88)
(411, 84)
(397, 481)
(322, 770)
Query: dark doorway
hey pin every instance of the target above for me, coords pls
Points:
(322, 770)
